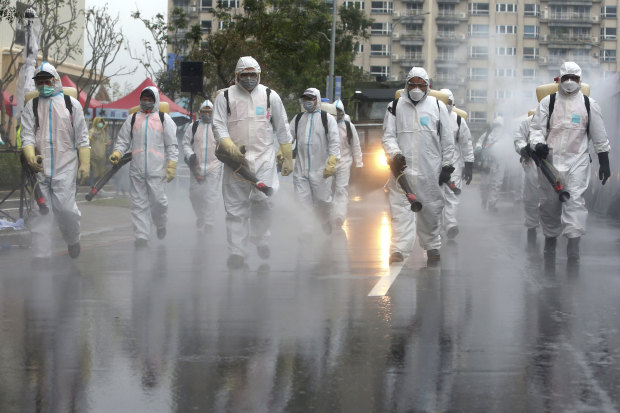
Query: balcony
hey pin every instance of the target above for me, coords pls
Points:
(409, 60)
(448, 60)
(450, 38)
(410, 38)
(410, 16)
(568, 19)
(451, 17)
(570, 2)
(569, 41)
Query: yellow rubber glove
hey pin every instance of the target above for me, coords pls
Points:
(34, 161)
(84, 167)
(232, 151)
(115, 157)
(330, 168)
(286, 151)
(171, 170)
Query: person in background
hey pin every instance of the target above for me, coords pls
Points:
(98, 147)
(488, 146)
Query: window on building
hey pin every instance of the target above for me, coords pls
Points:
(205, 26)
(581, 12)
(530, 32)
(609, 12)
(477, 117)
(413, 28)
(505, 29)
(479, 52)
(581, 33)
(532, 10)
(608, 55)
(530, 53)
(413, 52)
(477, 95)
(608, 33)
(358, 48)
(206, 5)
(414, 9)
(504, 94)
(379, 28)
(381, 7)
(225, 24)
(505, 72)
(506, 8)
(529, 74)
(354, 5)
(443, 74)
(446, 31)
(478, 9)
(230, 4)
(505, 51)
(478, 73)
(180, 3)
(445, 53)
(559, 12)
(478, 30)
(378, 49)
(379, 70)
(446, 10)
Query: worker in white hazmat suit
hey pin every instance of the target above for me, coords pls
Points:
(251, 115)
(350, 150)
(55, 139)
(562, 137)
(463, 163)
(489, 148)
(150, 135)
(531, 196)
(205, 182)
(418, 140)
(318, 148)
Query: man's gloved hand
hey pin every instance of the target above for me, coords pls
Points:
(34, 161)
(232, 151)
(192, 160)
(359, 164)
(468, 172)
(84, 167)
(286, 152)
(525, 151)
(171, 170)
(398, 164)
(542, 150)
(603, 170)
(115, 157)
(330, 168)
(445, 174)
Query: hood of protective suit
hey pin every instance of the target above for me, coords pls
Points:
(570, 68)
(314, 92)
(418, 72)
(245, 63)
(47, 67)
(206, 104)
(449, 93)
(339, 105)
(156, 94)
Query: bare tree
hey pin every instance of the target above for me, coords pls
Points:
(154, 55)
(105, 40)
(59, 20)
(7, 11)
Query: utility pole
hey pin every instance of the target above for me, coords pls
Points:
(332, 53)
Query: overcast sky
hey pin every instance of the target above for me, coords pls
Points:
(134, 31)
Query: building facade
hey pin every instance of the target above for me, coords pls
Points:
(487, 52)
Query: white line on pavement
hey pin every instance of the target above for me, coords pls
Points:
(383, 285)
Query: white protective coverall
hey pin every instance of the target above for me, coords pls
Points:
(414, 132)
(249, 123)
(349, 151)
(568, 152)
(314, 145)
(204, 194)
(57, 139)
(531, 196)
(493, 169)
(152, 146)
(463, 152)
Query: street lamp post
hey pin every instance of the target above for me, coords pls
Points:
(332, 53)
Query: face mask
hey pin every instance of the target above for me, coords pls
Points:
(340, 116)
(100, 125)
(248, 83)
(308, 106)
(205, 117)
(570, 86)
(46, 91)
(449, 108)
(415, 94)
(147, 106)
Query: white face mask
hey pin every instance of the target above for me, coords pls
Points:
(415, 94)
(569, 86)
(308, 106)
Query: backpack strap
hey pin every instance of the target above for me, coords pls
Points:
(133, 120)
(227, 101)
(297, 118)
(551, 106)
(393, 109)
(458, 124)
(35, 110)
(438, 119)
(268, 99)
(69, 106)
(586, 100)
(324, 121)
(349, 132)
(194, 129)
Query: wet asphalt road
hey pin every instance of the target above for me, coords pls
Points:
(169, 328)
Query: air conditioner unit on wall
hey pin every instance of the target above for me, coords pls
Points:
(395, 35)
(396, 14)
(594, 39)
(595, 19)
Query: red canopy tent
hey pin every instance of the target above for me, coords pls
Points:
(133, 99)
(67, 82)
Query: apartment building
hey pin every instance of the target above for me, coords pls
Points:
(487, 52)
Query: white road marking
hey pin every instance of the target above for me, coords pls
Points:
(383, 285)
